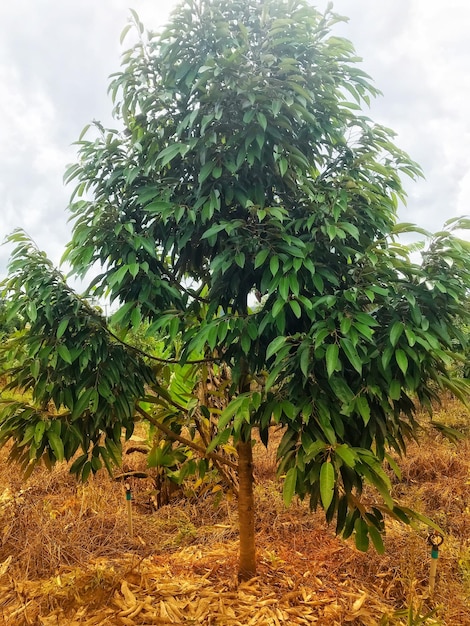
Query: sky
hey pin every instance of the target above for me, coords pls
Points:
(56, 57)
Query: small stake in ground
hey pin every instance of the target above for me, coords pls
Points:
(436, 540)
(129, 509)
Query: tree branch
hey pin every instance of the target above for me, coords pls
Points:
(186, 442)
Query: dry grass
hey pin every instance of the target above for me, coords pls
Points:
(68, 557)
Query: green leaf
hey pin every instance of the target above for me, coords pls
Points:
(274, 265)
(124, 33)
(283, 166)
(401, 514)
(156, 207)
(262, 120)
(31, 311)
(245, 343)
(240, 259)
(332, 358)
(134, 269)
(395, 390)
(278, 306)
(39, 432)
(170, 152)
(305, 360)
(96, 464)
(424, 519)
(64, 353)
(312, 450)
(345, 325)
(114, 451)
(393, 464)
(290, 482)
(62, 327)
(35, 368)
(237, 406)
(56, 444)
(377, 539)
(361, 535)
(261, 257)
(274, 346)
(82, 403)
(121, 313)
(319, 283)
(346, 454)
(351, 354)
(396, 332)
(158, 457)
(295, 306)
(205, 171)
(78, 464)
(402, 360)
(86, 471)
(327, 483)
(362, 405)
(220, 439)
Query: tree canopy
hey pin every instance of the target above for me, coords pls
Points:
(246, 209)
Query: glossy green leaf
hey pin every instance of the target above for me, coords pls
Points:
(305, 360)
(56, 444)
(327, 483)
(377, 539)
(332, 358)
(62, 327)
(351, 354)
(274, 265)
(361, 535)
(274, 346)
(205, 171)
(346, 454)
(78, 464)
(362, 405)
(39, 432)
(170, 152)
(396, 332)
(402, 360)
(295, 307)
(288, 489)
(261, 257)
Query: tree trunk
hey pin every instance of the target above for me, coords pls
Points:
(246, 511)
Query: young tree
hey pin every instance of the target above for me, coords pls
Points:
(247, 209)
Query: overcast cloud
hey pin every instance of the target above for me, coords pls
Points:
(56, 56)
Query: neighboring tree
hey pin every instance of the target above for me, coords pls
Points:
(7, 324)
(247, 210)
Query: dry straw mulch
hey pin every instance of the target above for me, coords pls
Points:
(188, 587)
(66, 557)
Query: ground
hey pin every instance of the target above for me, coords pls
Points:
(67, 556)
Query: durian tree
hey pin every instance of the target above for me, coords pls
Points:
(245, 208)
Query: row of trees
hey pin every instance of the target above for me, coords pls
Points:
(245, 211)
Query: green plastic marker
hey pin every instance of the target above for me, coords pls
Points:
(129, 509)
(436, 540)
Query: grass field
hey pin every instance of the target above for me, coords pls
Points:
(67, 557)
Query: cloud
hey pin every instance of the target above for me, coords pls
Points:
(417, 52)
(56, 56)
(55, 60)
(32, 158)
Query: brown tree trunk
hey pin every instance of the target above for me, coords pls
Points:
(246, 511)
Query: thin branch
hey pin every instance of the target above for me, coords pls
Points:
(186, 442)
(157, 358)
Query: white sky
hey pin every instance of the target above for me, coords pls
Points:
(56, 56)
